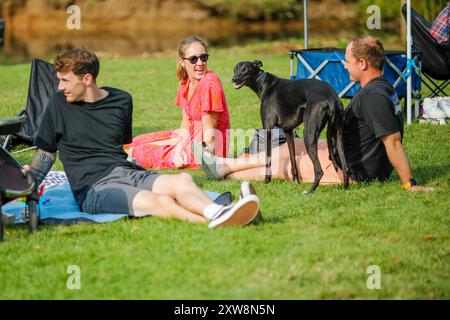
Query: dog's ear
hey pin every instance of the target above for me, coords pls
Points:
(258, 63)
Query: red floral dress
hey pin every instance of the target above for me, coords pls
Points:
(207, 97)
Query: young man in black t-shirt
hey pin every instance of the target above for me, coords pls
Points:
(373, 126)
(88, 125)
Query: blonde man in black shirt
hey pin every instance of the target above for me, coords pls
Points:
(373, 126)
(373, 130)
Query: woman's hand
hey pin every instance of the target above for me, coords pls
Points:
(180, 156)
(421, 188)
(209, 122)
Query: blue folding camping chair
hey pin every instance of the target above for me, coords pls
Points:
(327, 64)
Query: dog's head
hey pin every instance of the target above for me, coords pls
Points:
(245, 72)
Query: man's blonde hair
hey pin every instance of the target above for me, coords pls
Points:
(369, 49)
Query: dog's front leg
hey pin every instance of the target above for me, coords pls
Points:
(291, 144)
(268, 176)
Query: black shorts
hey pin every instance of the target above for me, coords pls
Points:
(115, 192)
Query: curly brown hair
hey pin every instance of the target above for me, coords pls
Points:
(80, 61)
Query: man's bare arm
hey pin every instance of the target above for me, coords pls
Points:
(399, 160)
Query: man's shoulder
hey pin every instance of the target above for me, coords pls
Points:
(119, 93)
(56, 101)
(58, 96)
(375, 90)
(376, 94)
(379, 84)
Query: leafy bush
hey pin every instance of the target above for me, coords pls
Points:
(255, 10)
(390, 10)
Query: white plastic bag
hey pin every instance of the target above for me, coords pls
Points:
(436, 108)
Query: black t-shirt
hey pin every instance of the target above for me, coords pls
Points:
(374, 112)
(88, 136)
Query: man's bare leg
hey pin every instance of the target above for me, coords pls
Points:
(183, 189)
(177, 196)
(160, 205)
(281, 166)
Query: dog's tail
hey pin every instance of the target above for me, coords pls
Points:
(335, 139)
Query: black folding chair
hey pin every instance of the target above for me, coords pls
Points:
(42, 85)
(2, 30)
(435, 55)
(13, 182)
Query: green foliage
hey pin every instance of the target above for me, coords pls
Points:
(283, 10)
(292, 9)
(391, 10)
(255, 10)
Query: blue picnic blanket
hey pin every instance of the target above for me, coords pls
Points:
(58, 206)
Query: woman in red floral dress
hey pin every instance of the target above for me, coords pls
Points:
(205, 115)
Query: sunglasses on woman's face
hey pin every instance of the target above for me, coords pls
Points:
(193, 59)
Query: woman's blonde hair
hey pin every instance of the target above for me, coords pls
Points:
(184, 44)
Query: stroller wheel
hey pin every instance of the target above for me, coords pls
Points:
(33, 215)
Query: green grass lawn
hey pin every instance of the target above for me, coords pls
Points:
(309, 247)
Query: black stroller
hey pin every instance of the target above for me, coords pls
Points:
(13, 183)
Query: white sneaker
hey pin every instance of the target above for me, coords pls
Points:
(239, 214)
(247, 189)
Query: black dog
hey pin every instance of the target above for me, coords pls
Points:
(289, 103)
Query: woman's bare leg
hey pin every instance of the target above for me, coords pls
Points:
(165, 142)
(281, 166)
(226, 166)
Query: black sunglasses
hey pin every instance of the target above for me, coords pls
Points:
(193, 59)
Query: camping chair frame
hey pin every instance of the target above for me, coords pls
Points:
(435, 56)
(437, 89)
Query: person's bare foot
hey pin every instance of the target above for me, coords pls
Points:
(207, 160)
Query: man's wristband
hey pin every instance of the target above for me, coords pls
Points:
(409, 184)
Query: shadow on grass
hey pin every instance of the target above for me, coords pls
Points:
(270, 220)
(426, 174)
